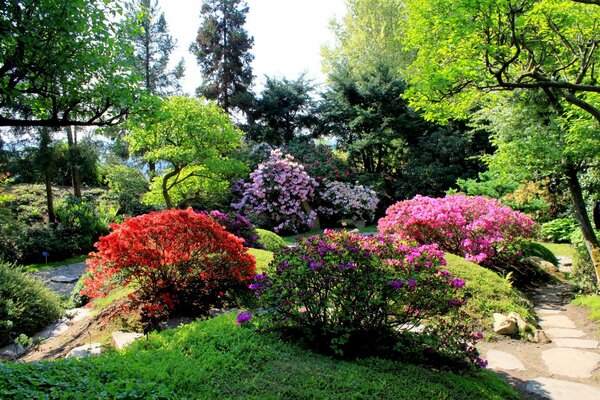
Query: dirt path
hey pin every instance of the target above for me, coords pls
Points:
(566, 368)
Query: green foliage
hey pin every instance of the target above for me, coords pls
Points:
(194, 139)
(216, 359)
(126, 185)
(558, 230)
(222, 49)
(591, 302)
(76, 299)
(583, 274)
(263, 258)
(533, 249)
(488, 293)
(272, 241)
(26, 304)
(488, 183)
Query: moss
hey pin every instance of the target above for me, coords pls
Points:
(272, 241)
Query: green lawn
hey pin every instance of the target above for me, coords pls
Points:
(38, 267)
(592, 302)
(292, 239)
(560, 249)
(216, 359)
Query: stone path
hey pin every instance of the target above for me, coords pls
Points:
(568, 368)
(61, 279)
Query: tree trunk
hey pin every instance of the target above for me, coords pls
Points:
(46, 162)
(50, 198)
(74, 160)
(165, 187)
(589, 237)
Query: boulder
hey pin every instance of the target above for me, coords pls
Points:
(538, 337)
(504, 325)
(521, 323)
(92, 349)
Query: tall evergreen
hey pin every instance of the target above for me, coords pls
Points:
(222, 49)
(153, 48)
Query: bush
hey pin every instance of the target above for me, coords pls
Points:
(584, 275)
(357, 295)
(126, 185)
(182, 262)
(26, 305)
(342, 200)
(238, 225)
(276, 196)
(477, 228)
(271, 241)
(558, 230)
(76, 299)
(318, 160)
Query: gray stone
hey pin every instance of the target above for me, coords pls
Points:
(501, 360)
(577, 343)
(561, 390)
(64, 279)
(93, 349)
(557, 321)
(78, 314)
(564, 333)
(571, 362)
(547, 311)
(121, 339)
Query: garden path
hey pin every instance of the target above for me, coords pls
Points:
(564, 369)
(62, 279)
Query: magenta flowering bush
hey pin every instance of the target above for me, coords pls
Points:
(239, 225)
(344, 200)
(477, 228)
(277, 195)
(358, 295)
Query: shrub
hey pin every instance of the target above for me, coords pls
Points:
(277, 195)
(182, 262)
(558, 230)
(318, 160)
(584, 275)
(477, 228)
(126, 185)
(238, 225)
(270, 240)
(343, 200)
(26, 305)
(353, 294)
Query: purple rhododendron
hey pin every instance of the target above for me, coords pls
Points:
(243, 317)
(343, 200)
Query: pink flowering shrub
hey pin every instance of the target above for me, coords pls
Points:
(477, 228)
(344, 200)
(277, 195)
(360, 295)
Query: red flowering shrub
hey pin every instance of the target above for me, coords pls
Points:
(477, 228)
(181, 262)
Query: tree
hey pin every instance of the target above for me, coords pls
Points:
(64, 64)
(283, 112)
(222, 49)
(472, 54)
(153, 47)
(193, 138)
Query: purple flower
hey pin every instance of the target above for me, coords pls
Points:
(397, 284)
(412, 283)
(458, 283)
(243, 317)
(481, 362)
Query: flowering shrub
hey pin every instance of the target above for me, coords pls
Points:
(347, 291)
(182, 262)
(477, 228)
(277, 195)
(343, 200)
(318, 160)
(239, 225)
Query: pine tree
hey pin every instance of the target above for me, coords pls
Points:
(222, 49)
(153, 47)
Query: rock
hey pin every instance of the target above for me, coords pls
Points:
(93, 349)
(538, 337)
(78, 314)
(564, 333)
(577, 343)
(501, 360)
(561, 390)
(571, 362)
(547, 311)
(521, 323)
(64, 279)
(557, 321)
(504, 325)
(121, 339)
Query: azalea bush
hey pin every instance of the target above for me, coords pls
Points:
(239, 225)
(477, 228)
(358, 295)
(180, 261)
(277, 195)
(344, 200)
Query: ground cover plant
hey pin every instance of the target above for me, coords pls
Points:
(181, 262)
(239, 226)
(217, 359)
(477, 228)
(356, 295)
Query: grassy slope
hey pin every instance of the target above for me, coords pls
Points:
(560, 249)
(216, 359)
(292, 239)
(592, 302)
(68, 261)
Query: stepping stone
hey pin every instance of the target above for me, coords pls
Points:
(64, 279)
(576, 343)
(557, 321)
(561, 390)
(501, 360)
(93, 349)
(564, 333)
(78, 314)
(123, 339)
(571, 362)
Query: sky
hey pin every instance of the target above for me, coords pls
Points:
(288, 35)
